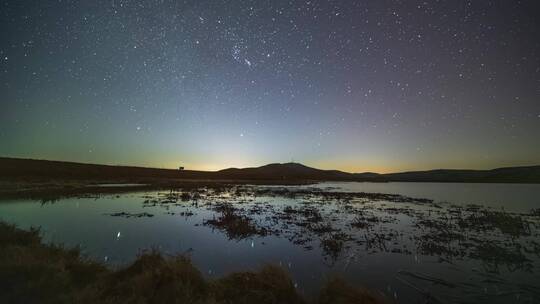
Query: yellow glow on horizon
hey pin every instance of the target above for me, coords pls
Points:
(216, 166)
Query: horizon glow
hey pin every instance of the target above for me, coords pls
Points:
(354, 86)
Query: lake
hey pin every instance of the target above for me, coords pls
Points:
(415, 242)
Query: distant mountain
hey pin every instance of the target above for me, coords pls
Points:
(287, 171)
(290, 171)
(530, 174)
(11, 168)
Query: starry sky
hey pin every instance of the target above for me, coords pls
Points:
(359, 86)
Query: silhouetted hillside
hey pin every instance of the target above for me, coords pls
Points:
(285, 171)
(29, 168)
(530, 174)
(15, 168)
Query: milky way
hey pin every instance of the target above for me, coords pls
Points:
(352, 85)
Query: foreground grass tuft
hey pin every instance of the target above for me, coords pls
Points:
(336, 291)
(31, 272)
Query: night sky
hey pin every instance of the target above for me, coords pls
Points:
(352, 85)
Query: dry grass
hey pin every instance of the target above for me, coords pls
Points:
(31, 272)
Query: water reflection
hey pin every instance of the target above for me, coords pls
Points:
(412, 248)
(372, 222)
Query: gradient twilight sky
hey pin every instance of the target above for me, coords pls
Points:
(352, 85)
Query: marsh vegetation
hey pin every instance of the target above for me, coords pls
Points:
(440, 250)
(31, 272)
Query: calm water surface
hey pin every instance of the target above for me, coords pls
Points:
(396, 251)
(512, 197)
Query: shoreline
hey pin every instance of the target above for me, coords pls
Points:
(56, 189)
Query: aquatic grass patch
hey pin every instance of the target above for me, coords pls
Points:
(235, 225)
(333, 244)
(507, 223)
(131, 215)
(343, 197)
(361, 223)
(442, 230)
(494, 255)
